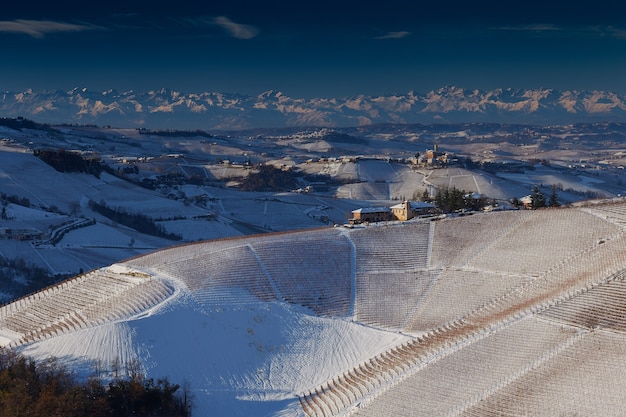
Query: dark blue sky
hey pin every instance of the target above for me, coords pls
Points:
(316, 49)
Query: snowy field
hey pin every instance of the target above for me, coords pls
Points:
(507, 313)
(460, 312)
(58, 198)
(477, 182)
(24, 175)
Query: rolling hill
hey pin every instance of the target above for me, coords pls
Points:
(508, 313)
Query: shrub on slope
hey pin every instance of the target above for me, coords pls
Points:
(48, 389)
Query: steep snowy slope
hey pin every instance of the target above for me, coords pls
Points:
(501, 313)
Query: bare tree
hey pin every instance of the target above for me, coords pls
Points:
(74, 208)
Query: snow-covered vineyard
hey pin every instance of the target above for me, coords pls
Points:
(510, 313)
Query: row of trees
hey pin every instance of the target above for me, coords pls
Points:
(19, 123)
(6, 199)
(137, 221)
(449, 200)
(48, 389)
(539, 199)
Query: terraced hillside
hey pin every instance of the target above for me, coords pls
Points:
(103, 296)
(511, 313)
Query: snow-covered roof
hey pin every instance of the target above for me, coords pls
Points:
(364, 210)
(415, 205)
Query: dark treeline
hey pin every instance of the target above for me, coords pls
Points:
(175, 133)
(48, 389)
(19, 123)
(64, 161)
(19, 278)
(6, 199)
(336, 137)
(269, 178)
(139, 222)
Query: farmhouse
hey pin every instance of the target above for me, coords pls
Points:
(371, 214)
(409, 209)
(402, 212)
(526, 202)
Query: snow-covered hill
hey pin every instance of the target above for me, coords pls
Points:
(166, 108)
(518, 312)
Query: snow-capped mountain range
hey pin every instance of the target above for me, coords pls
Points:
(166, 108)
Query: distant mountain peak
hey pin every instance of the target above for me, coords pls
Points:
(270, 93)
(167, 108)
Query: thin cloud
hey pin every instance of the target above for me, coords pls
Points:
(575, 32)
(395, 35)
(40, 28)
(615, 32)
(532, 28)
(237, 30)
